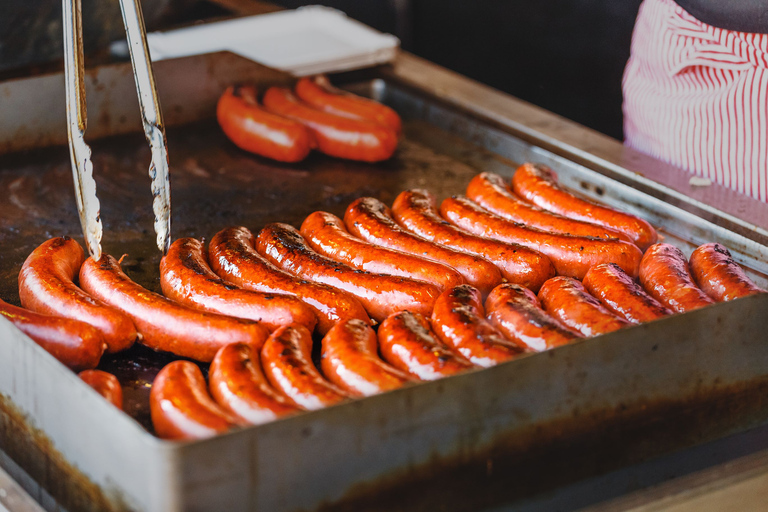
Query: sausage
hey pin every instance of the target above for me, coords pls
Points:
(571, 255)
(406, 341)
(380, 295)
(181, 407)
(665, 275)
(517, 313)
(622, 295)
(327, 235)
(77, 345)
(569, 303)
(350, 360)
(459, 321)
(415, 210)
(287, 361)
(490, 191)
(233, 258)
(46, 286)
(342, 137)
(238, 384)
(186, 278)
(164, 324)
(718, 274)
(317, 92)
(537, 184)
(105, 384)
(371, 220)
(254, 129)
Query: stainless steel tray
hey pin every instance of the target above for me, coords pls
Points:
(478, 439)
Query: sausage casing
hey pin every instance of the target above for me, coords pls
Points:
(105, 384)
(622, 295)
(665, 275)
(718, 274)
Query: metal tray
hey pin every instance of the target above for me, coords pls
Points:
(479, 439)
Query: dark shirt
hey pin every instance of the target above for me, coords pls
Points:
(738, 15)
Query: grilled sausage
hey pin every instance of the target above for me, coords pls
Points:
(622, 295)
(317, 92)
(568, 302)
(718, 274)
(538, 185)
(459, 321)
(254, 129)
(287, 361)
(406, 341)
(381, 295)
(517, 313)
(571, 255)
(342, 137)
(186, 278)
(181, 407)
(164, 324)
(46, 286)
(105, 384)
(233, 258)
(371, 220)
(490, 191)
(327, 235)
(237, 383)
(415, 210)
(350, 360)
(665, 275)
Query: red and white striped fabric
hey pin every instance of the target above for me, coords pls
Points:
(697, 96)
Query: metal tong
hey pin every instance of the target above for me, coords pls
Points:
(88, 205)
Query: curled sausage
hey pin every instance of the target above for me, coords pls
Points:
(415, 210)
(46, 286)
(538, 185)
(371, 220)
(164, 324)
(718, 274)
(665, 275)
(622, 295)
(342, 137)
(237, 383)
(459, 321)
(254, 129)
(381, 295)
(186, 278)
(287, 361)
(350, 360)
(105, 384)
(326, 234)
(181, 407)
(568, 302)
(232, 257)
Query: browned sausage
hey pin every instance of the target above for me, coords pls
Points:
(490, 191)
(234, 259)
(186, 278)
(571, 255)
(164, 324)
(326, 234)
(568, 302)
(538, 185)
(381, 295)
(287, 361)
(350, 360)
(459, 320)
(371, 220)
(46, 286)
(406, 341)
(415, 210)
(622, 295)
(718, 274)
(105, 384)
(237, 383)
(665, 275)
(516, 312)
(181, 407)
